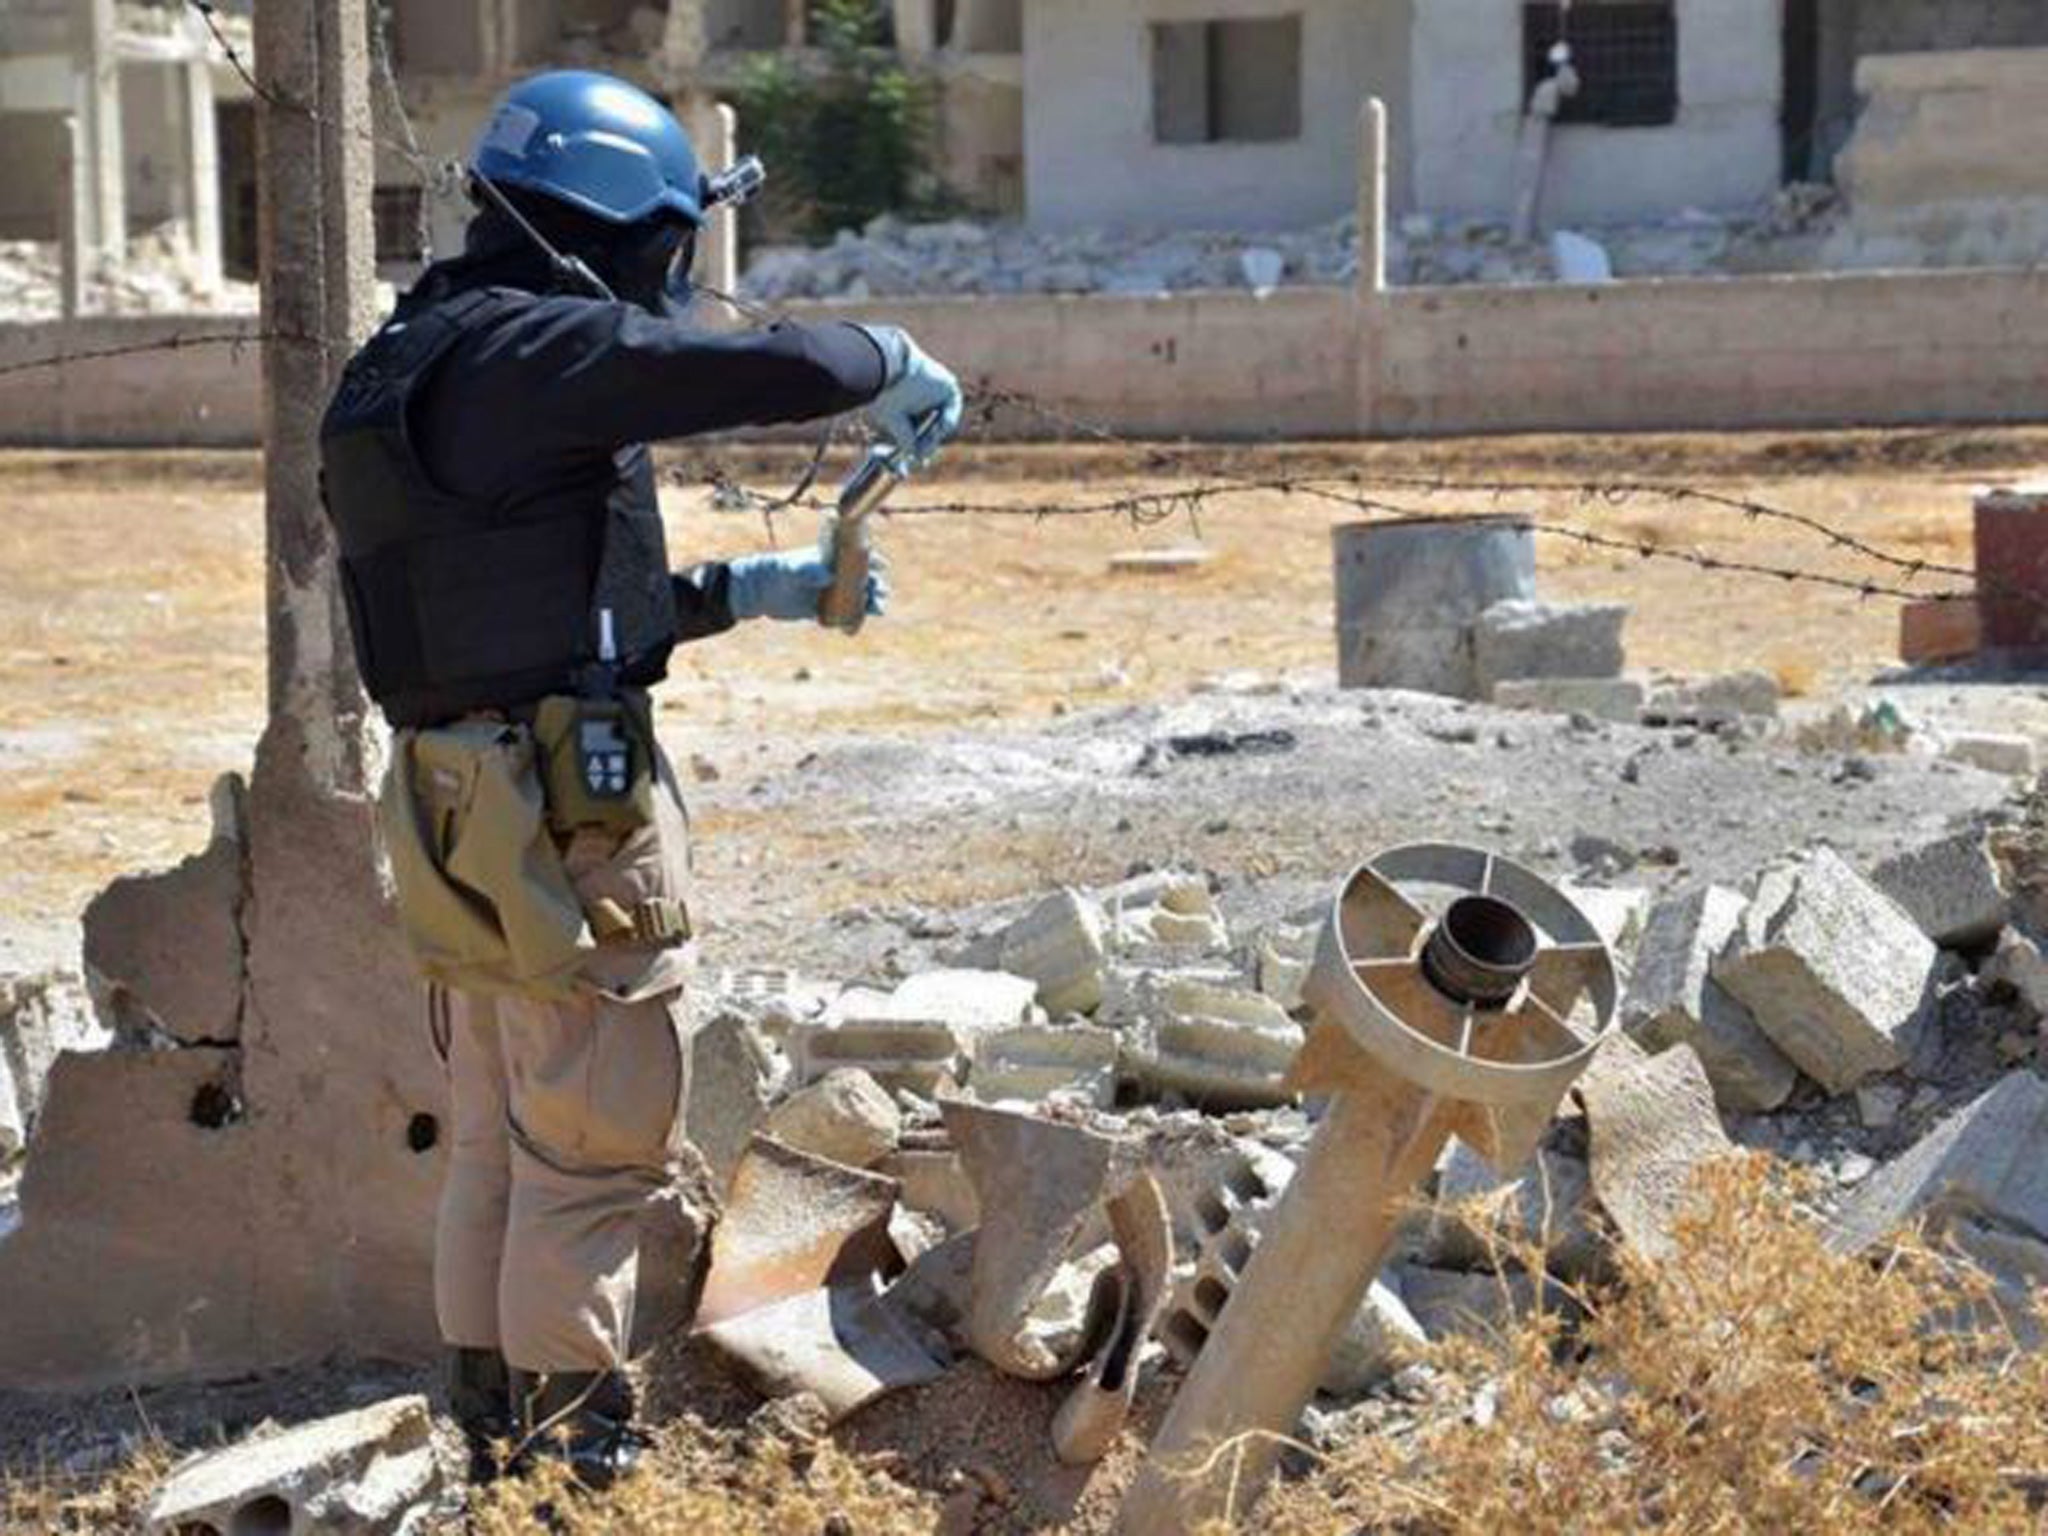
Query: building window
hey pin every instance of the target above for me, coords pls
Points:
(1226, 82)
(397, 214)
(1626, 54)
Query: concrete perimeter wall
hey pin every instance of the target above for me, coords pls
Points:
(191, 396)
(1699, 354)
(1796, 351)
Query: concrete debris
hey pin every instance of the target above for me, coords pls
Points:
(733, 1075)
(1183, 916)
(1832, 969)
(1038, 1182)
(1723, 700)
(155, 277)
(1044, 1061)
(844, 1117)
(892, 258)
(1878, 1105)
(1617, 912)
(2014, 756)
(1480, 1217)
(1453, 1303)
(1616, 699)
(1059, 946)
(1283, 955)
(1579, 259)
(166, 949)
(371, 1472)
(777, 1000)
(1382, 1336)
(1653, 1126)
(1672, 1000)
(41, 1016)
(1095, 1412)
(1988, 1162)
(1219, 1047)
(931, 1182)
(793, 1224)
(921, 1055)
(970, 1001)
(2017, 972)
(846, 1345)
(1951, 888)
(1523, 638)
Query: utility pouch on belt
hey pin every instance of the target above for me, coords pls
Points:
(598, 762)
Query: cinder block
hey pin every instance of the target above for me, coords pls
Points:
(1932, 632)
(1521, 638)
(1988, 1162)
(1215, 1046)
(1832, 969)
(368, 1472)
(1672, 1000)
(1036, 1061)
(1951, 889)
(2013, 756)
(1619, 699)
(1058, 945)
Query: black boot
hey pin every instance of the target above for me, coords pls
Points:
(584, 1418)
(480, 1401)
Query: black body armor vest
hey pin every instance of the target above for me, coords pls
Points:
(457, 603)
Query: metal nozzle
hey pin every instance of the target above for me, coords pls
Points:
(738, 185)
(1479, 951)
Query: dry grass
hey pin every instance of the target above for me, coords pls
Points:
(53, 1503)
(1755, 1383)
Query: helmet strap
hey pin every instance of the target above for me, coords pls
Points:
(570, 271)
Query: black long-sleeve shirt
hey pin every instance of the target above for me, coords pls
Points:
(525, 399)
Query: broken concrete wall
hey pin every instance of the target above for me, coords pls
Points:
(1944, 165)
(264, 1199)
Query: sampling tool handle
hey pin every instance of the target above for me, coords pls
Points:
(848, 540)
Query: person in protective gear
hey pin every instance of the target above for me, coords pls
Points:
(486, 470)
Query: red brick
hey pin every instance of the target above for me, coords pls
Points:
(2012, 569)
(1931, 632)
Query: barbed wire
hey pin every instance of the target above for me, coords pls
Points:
(1354, 489)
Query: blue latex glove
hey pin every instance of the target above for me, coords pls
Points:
(788, 585)
(918, 390)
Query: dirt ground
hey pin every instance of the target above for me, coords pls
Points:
(131, 668)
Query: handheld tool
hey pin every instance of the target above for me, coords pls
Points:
(846, 541)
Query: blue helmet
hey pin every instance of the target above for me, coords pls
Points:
(595, 143)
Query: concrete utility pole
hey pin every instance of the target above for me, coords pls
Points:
(317, 271)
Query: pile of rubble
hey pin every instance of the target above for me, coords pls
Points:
(891, 257)
(1056, 1151)
(155, 278)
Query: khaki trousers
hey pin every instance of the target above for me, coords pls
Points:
(571, 1233)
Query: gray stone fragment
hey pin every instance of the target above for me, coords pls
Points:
(844, 1117)
(1616, 699)
(1521, 638)
(2017, 972)
(367, 1473)
(1382, 1335)
(1449, 1303)
(1832, 969)
(1718, 700)
(732, 1074)
(41, 1016)
(1479, 1214)
(1673, 1000)
(1951, 889)
(1988, 1161)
